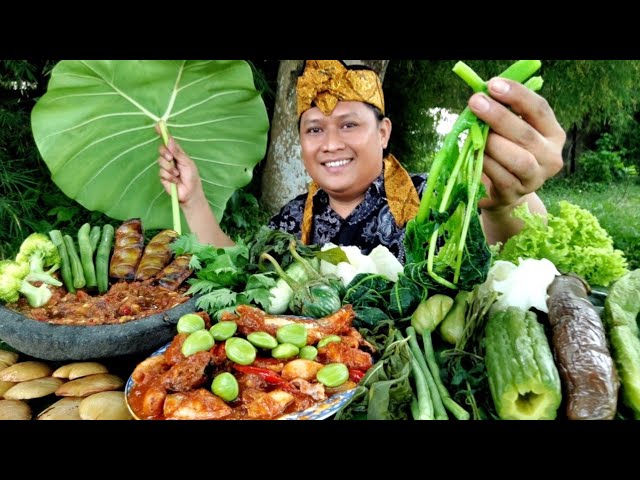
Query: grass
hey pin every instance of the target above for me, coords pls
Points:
(616, 206)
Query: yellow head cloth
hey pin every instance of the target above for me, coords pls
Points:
(325, 82)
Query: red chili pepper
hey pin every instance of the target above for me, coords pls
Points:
(356, 375)
(269, 375)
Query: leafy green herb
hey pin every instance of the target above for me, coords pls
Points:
(229, 276)
(376, 298)
(448, 219)
(385, 392)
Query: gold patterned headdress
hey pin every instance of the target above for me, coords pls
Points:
(325, 82)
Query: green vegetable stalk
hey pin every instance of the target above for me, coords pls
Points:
(175, 204)
(448, 212)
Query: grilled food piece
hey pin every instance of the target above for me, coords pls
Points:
(582, 354)
(157, 255)
(172, 276)
(127, 250)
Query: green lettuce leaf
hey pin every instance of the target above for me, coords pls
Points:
(572, 239)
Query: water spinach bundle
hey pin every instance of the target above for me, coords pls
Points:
(445, 245)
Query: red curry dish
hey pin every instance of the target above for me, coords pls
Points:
(122, 303)
(172, 386)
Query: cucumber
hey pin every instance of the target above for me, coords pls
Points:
(523, 378)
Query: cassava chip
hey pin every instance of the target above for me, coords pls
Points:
(64, 409)
(14, 410)
(85, 386)
(25, 371)
(37, 388)
(4, 386)
(105, 406)
(79, 369)
(7, 359)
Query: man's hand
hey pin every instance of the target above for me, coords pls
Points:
(524, 147)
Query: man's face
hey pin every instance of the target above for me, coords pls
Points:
(342, 152)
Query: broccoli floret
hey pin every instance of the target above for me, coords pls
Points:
(38, 251)
(13, 282)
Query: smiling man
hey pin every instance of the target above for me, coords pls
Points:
(360, 194)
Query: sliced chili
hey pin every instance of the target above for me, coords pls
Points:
(356, 374)
(268, 375)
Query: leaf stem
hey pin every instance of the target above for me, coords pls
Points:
(175, 205)
(472, 79)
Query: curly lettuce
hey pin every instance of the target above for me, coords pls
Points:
(572, 239)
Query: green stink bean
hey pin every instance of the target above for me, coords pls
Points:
(294, 333)
(189, 323)
(263, 340)
(223, 330)
(240, 351)
(225, 386)
(199, 341)
(328, 339)
(333, 374)
(285, 350)
(308, 352)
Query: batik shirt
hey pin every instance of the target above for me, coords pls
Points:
(369, 225)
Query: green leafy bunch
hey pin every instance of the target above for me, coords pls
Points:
(572, 239)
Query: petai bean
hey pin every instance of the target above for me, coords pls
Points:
(225, 386)
(294, 333)
(240, 351)
(198, 341)
(263, 340)
(223, 330)
(333, 374)
(189, 323)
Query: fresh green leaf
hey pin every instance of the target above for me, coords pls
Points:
(216, 299)
(333, 255)
(404, 297)
(95, 129)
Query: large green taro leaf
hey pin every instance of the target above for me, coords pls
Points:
(94, 128)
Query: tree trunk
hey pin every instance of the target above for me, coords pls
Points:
(284, 176)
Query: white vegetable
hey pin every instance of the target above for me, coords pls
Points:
(386, 262)
(281, 295)
(327, 268)
(358, 263)
(379, 261)
(345, 271)
(524, 286)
